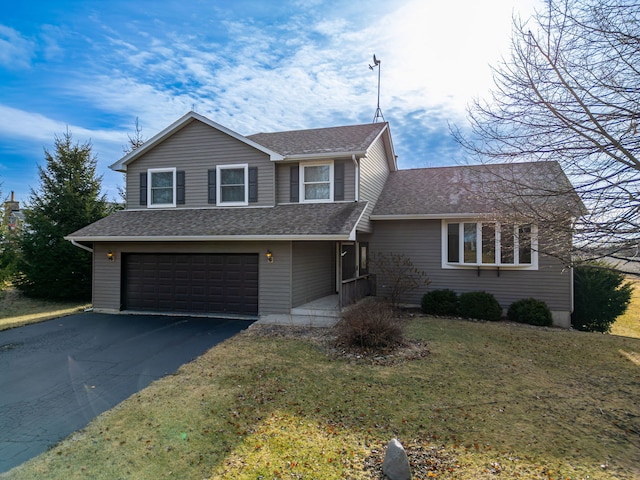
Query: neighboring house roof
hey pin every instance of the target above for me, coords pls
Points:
(326, 221)
(121, 165)
(475, 190)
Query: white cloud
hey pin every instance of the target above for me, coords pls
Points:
(40, 128)
(16, 51)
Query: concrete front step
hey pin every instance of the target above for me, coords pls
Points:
(298, 320)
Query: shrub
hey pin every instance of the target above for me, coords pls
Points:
(370, 325)
(480, 305)
(600, 296)
(397, 276)
(531, 311)
(440, 302)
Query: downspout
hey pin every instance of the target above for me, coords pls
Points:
(79, 245)
(357, 177)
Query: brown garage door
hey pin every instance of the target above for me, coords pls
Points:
(193, 283)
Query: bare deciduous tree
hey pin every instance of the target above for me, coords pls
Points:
(570, 92)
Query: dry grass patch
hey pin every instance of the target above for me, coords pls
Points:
(490, 400)
(628, 325)
(17, 310)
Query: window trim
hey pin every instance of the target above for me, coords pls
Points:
(150, 173)
(302, 197)
(446, 264)
(237, 166)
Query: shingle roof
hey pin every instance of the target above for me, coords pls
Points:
(476, 189)
(348, 139)
(332, 220)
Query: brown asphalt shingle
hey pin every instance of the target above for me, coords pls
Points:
(321, 219)
(352, 138)
(477, 189)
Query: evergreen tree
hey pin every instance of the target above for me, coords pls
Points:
(69, 198)
(9, 245)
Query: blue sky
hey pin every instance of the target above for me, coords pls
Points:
(94, 66)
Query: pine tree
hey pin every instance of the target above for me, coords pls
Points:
(69, 198)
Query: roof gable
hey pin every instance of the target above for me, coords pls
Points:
(121, 165)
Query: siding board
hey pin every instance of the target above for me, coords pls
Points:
(374, 170)
(313, 271)
(274, 294)
(197, 148)
(421, 241)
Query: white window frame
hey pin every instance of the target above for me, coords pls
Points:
(303, 199)
(516, 265)
(219, 168)
(150, 173)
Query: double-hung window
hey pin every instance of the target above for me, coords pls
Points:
(161, 187)
(471, 243)
(232, 185)
(316, 182)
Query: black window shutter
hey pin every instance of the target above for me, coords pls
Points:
(294, 184)
(143, 188)
(180, 187)
(253, 184)
(212, 185)
(338, 181)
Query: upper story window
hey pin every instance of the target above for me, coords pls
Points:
(489, 244)
(232, 185)
(316, 182)
(161, 187)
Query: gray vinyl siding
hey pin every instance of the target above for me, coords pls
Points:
(197, 148)
(421, 240)
(283, 181)
(374, 170)
(313, 271)
(274, 293)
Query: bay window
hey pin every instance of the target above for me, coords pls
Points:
(478, 243)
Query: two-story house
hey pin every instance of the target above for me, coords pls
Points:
(280, 226)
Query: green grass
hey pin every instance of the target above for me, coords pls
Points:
(17, 310)
(491, 400)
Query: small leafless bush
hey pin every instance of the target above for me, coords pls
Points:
(370, 325)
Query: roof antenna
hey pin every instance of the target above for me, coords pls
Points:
(378, 115)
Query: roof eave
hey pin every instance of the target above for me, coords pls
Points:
(209, 238)
(323, 155)
(429, 216)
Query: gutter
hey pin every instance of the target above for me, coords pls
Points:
(207, 238)
(79, 245)
(318, 156)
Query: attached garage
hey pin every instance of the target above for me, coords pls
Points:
(191, 283)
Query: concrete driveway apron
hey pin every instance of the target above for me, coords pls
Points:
(56, 376)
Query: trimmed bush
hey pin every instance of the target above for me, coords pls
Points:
(480, 305)
(370, 325)
(600, 297)
(531, 311)
(440, 302)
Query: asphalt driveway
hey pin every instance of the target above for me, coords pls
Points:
(56, 376)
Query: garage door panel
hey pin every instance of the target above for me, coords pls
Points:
(202, 283)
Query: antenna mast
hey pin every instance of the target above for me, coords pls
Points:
(378, 115)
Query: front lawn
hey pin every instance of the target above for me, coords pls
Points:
(489, 400)
(17, 309)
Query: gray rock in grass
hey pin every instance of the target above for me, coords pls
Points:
(396, 464)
